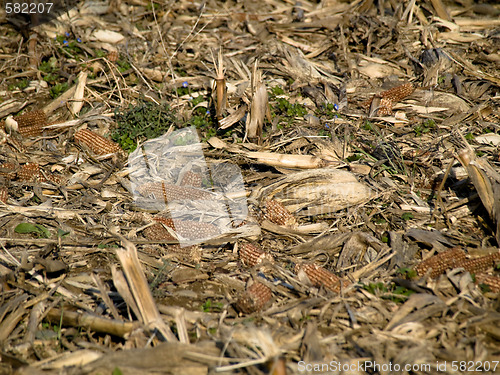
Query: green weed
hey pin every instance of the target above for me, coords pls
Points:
(368, 126)
(58, 89)
(424, 127)
(123, 65)
(469, 136)
(21, 85)
(407, 216)
(408, 272)
(37, 229)
(144, 121)
(391, 292)
(285, 108)
(210, 306)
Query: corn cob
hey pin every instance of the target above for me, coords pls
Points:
(492, 282)
(113, 56)
(277, 213)
(389, 98)
(8, 170)
(441, 262)
(191, 179)
(30, 172)
(254, 298)
(169, 192)
(318, 276)
(56, 179)
(384, 107)
(186, 228)
(157, 232)
(251, 255)
(195, 230)
(188, 253)
(30, 124)
(398, 93)
(481, 264)
(96, 143)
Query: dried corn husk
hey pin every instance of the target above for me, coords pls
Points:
(108, 36)
(287, 160)
(258, 108)
(77, 104)
(220, 86)
(138, 289)
(486, 181)
(272, 158)
(316, 192)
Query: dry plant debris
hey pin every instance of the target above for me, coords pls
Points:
(250, 187)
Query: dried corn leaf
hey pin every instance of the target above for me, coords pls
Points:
(77, 104)
(140, 291)
(315, 192)
(486, 181)
(418, 308)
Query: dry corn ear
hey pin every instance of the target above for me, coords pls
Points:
(251, 255)
(254, 298)
(169, 192)
(492, 282)
(187, 253)
(57, 179)
(113, 56)
(380, 107)
(441, 262)
(96, 143)
(398, 93)
(386, 99)
(191, 179)
(277, 213)
(8, 170)
(157, 232)
(29, 124)
(195, 230)
(318, 276)
(481, 264)
(188, 229)
(30, 172)
(4, 194)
